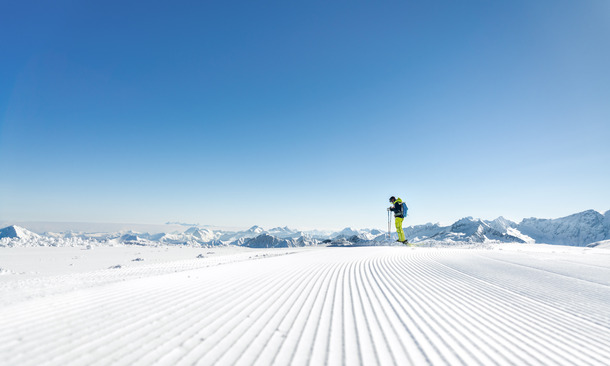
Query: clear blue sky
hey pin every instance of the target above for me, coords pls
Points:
(303, 113)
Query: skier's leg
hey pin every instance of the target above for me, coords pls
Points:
(401, 234)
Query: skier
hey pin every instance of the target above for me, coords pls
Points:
(399, 215)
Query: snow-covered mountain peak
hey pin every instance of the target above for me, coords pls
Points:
(501, 224)
(578, 229)
(467, 229)
(191, 230)
(284, 232)
(376, 232)
(15, 231)
(203, 235)
(279, 229)
(256, 229)
(504, 221)
(468, 225)
(588, 215)
(347, 232)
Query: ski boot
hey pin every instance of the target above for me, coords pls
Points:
(405, 242)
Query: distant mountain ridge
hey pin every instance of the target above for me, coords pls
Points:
(580, 229)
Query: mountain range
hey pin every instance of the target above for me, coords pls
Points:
(581, 229)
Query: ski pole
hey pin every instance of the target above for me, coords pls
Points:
(389, 234)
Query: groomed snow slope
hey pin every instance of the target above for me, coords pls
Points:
(333, 306)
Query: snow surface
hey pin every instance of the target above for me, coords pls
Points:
(482, 304)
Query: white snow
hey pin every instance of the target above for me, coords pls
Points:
(493, 304)
(600, 244)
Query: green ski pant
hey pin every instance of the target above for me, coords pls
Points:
(401, 234)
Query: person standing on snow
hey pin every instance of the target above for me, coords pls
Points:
(399, 216)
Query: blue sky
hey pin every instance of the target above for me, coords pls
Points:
(307, 114)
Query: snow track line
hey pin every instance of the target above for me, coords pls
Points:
(599, 314)
(323, 319)
(378, 321)
(326, 306)
(560, 320)
(491, 316)
(223, 332)
(586, 264)
(410, 330)
(452, 303)
(547, 270)
(300, 295)
(511, 291)
(208, 321)
(57, 284)
(422, 335)
(127, 319)
(303, 345)
(427, 302)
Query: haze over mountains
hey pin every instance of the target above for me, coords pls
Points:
(587, 228)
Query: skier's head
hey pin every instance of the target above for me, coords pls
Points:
(392, 199)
